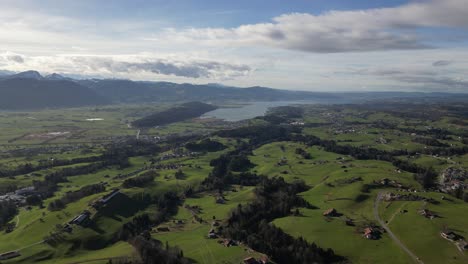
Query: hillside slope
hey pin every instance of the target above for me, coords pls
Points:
(175, 114)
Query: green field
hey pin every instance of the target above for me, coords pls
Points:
(335, 181)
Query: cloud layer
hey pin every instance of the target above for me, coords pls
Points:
(189, 69)
(127, 65)
(338, 31)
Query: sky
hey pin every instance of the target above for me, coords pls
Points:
(312, 45)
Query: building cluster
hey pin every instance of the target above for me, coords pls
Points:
(170, 166)
(176, 155)
(297, 123)
(458, 240)
(18, 196)
(405, 197)
(390, 183)
(453, 179)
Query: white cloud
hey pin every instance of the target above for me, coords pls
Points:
(126, 65)
(336, 31)
(10, 57)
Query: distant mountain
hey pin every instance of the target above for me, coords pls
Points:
(127, 91)
(28, 91)
(4, 73)
(26, 75)
(31, 90)
(56, 77)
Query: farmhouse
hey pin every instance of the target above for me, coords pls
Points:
(79, 219)
(9, 255)
(369, 233)
(330, 212)
(163, 229)
(428, 214)
(451, 236)
(212, 234)
(106, 198)
(220, 200)
(228, 242)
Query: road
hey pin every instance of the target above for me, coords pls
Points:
(389, 232)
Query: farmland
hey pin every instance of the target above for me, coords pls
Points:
(360, 161)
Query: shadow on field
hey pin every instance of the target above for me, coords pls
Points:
(96, 228)
(121, 206)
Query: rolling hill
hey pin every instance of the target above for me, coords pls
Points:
(175, 114)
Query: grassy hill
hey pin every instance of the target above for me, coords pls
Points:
(175, 114)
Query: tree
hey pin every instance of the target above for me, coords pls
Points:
(180, 175)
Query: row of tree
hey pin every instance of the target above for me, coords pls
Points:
(73, 196)
(141, 180)
(8, 210)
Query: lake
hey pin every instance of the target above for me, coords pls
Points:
(249, 110)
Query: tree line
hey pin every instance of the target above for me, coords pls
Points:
(73, 196)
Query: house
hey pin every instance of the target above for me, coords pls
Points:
(212, 234)
(228, 242)
(179, 222)
(220, 200)
(451, 236)
(428, 214)
(106, 198)
(385, 181)
(330, 212)
(9, 255)
(163, 229)
(79, 219)
(370, 233)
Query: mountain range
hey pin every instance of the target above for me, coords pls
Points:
(31, 90)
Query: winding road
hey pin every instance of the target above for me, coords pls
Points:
(390, 233)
